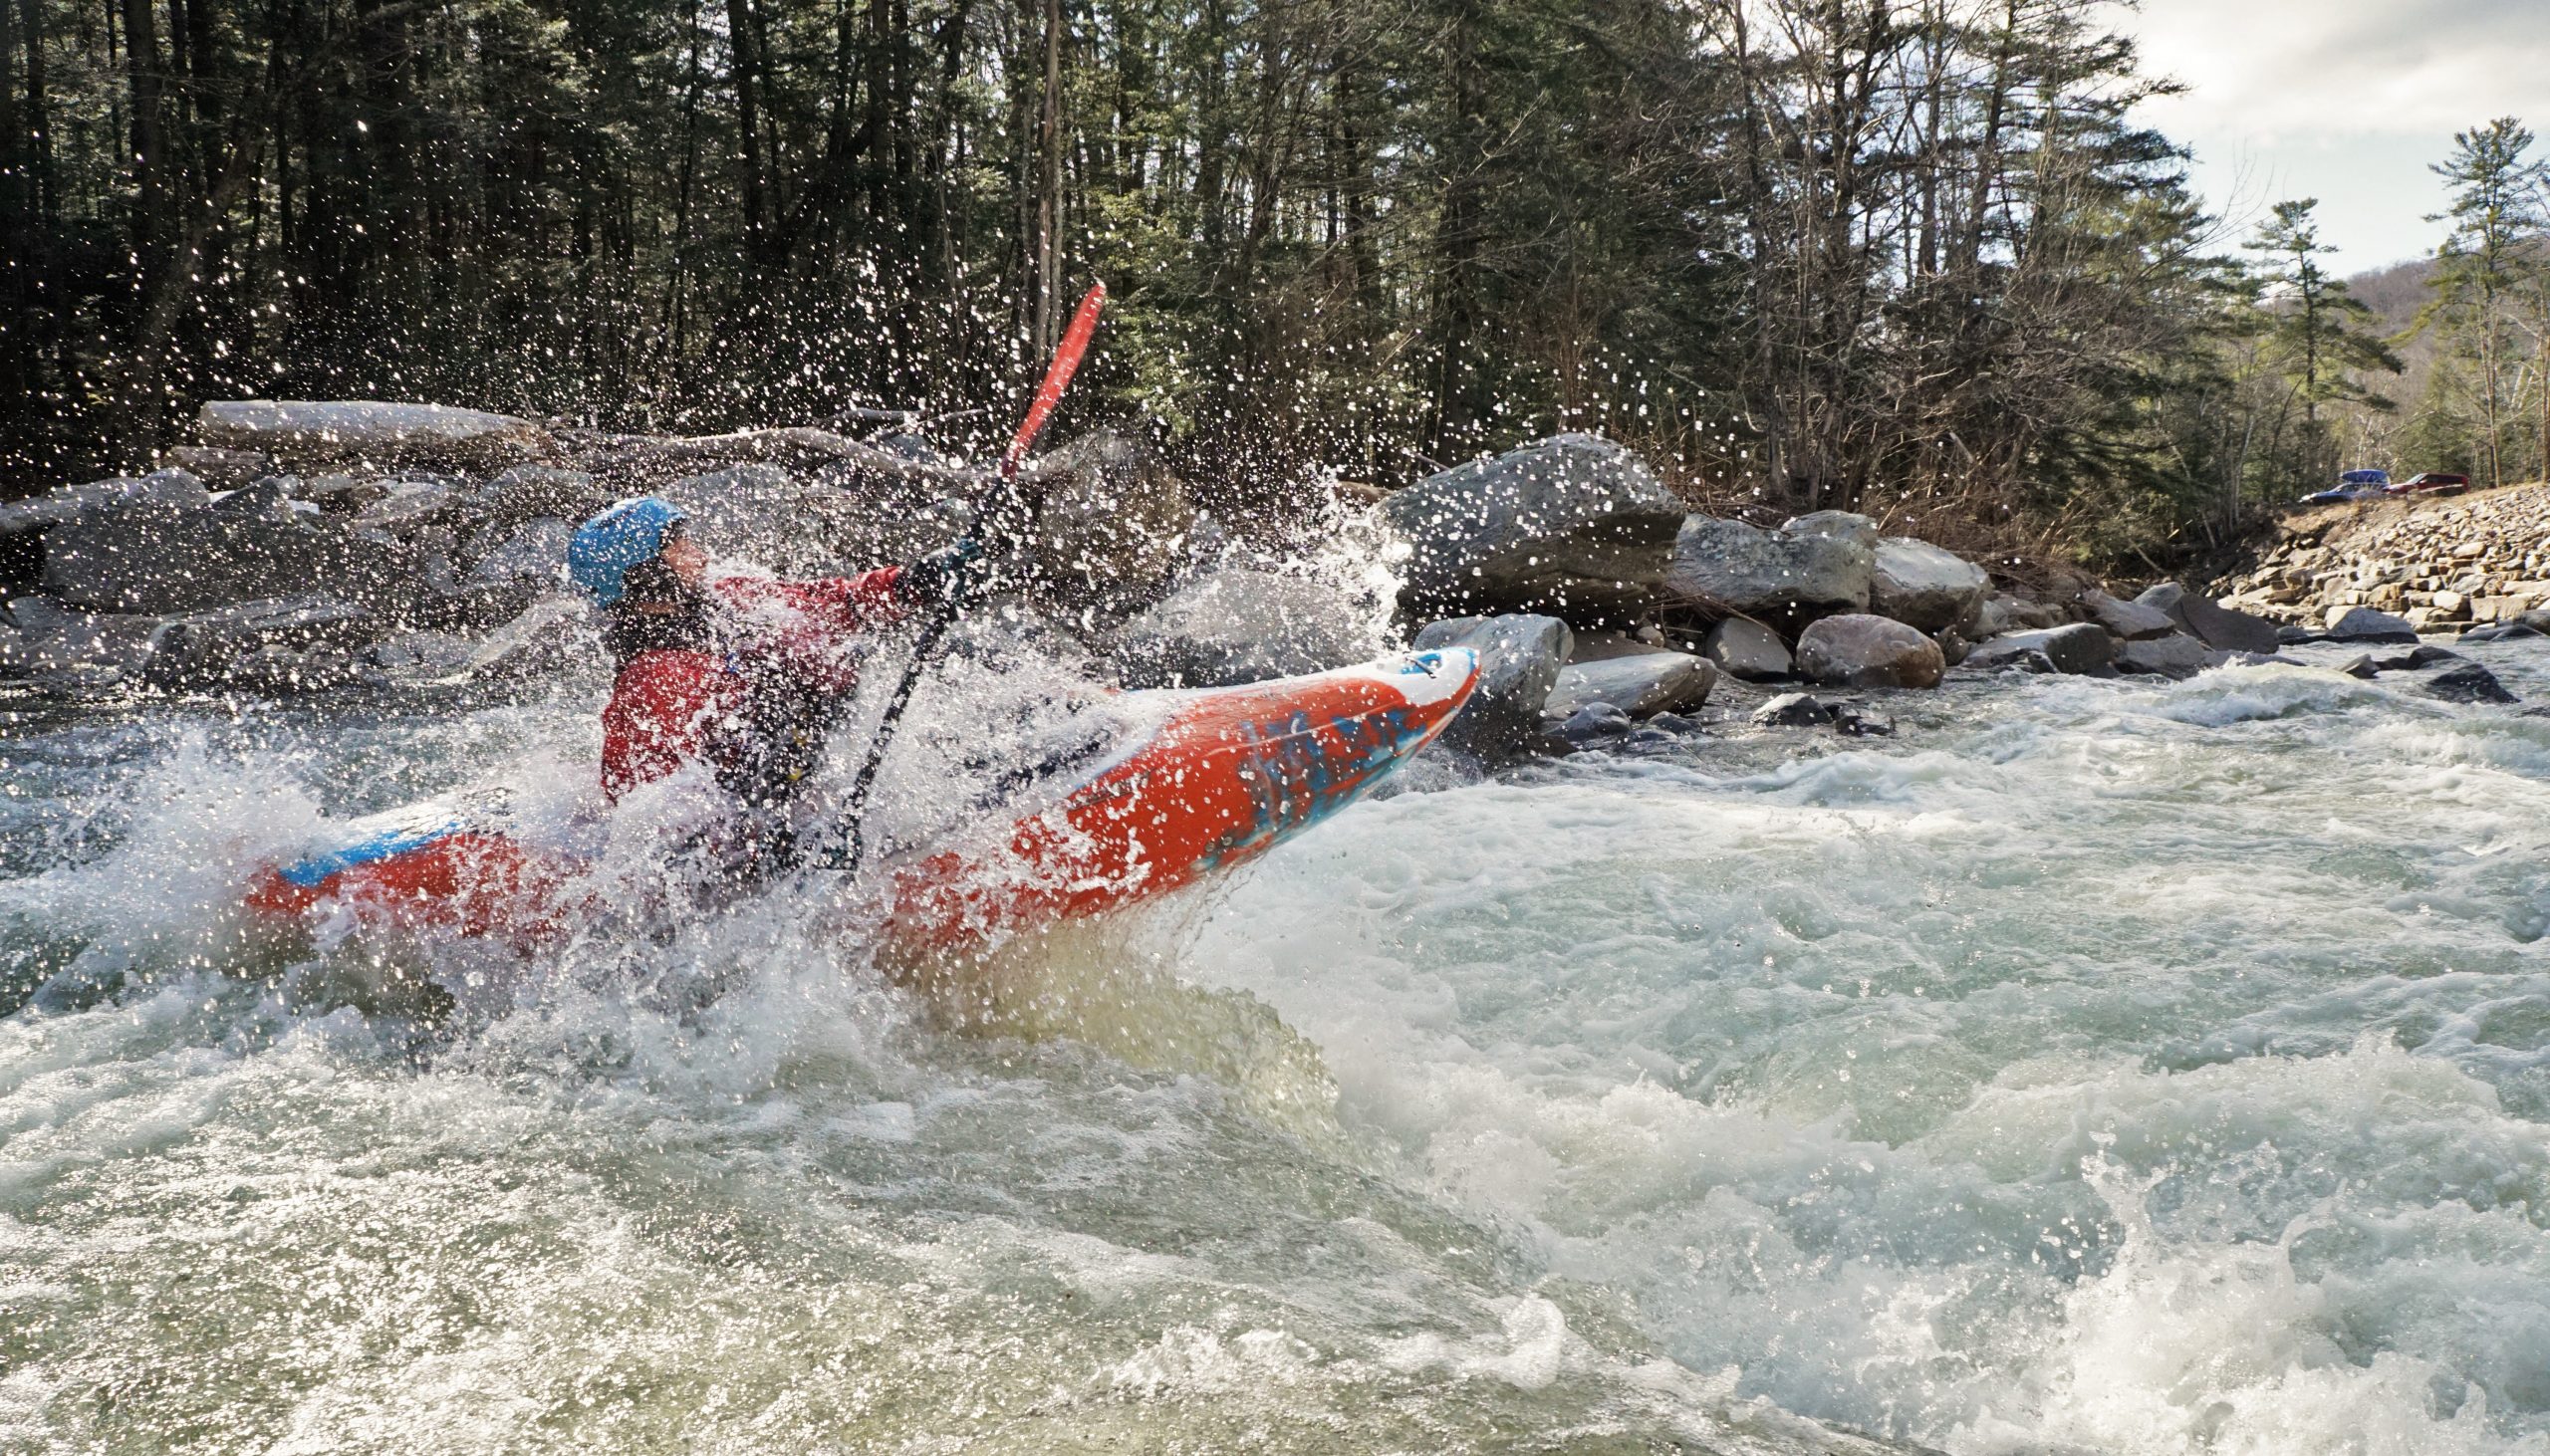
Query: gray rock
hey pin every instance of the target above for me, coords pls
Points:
(2175, 655)
(1921, 586)
(1595, 722)
(2467, 683)
(409, 506)
(306, 431)
(251, 545)
(1748, 650)
(1638, 685)
(2364, 624)
(1857, 649)
(1852, 721)
(2415, 660)
(2289, 636)
(1793, 710)
(333, 495)
(2130, 621)
(1519, 660)
(476, 605)
(2509, 631)
(528, 492)
(2082, 647)
(228, 646)
(1573, 523)
(1814, 565)
(535, 550)
(2000, 614)
(1955, 645)
(77, 650)
(1236, 625)
(222, 469)
(2210, 622)
(2360, 666)
(161, 490)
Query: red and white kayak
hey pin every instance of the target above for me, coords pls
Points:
(1217, 777)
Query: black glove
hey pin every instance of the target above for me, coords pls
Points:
(954, 573)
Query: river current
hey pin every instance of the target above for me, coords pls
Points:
(2095, 1066)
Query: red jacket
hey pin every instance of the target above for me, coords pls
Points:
(677, 705)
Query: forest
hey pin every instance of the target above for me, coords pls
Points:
(1915, 257)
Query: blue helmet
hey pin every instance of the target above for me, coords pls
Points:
(628, 533)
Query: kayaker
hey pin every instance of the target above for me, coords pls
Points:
(746, 674)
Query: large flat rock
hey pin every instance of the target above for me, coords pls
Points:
(303, 432)
(1573, 525)
(1640, 684)
(1815, 565)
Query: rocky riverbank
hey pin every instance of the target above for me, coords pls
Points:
(2443, 565)
(355, 547)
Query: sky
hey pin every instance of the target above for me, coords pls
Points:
(2346, 100)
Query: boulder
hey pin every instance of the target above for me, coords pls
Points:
(1748, 650)
(2127, 621)
(2467, 683)
(477, 605)
(174, 490)
(1593, 723)
(1852, 721)
(75, 649)
(1921, 586)
(1519, 660)
(535, 550)
(223, 469)
(529, 492)
(304, 432)
(2210, 622)
(1111, 530)
(1815, 565)
(1238, 625)
(2362, 666)
(1793, 710)
(2082, 647)
(1641, 685)
(2175, 655)
(253, 545)
(230, 645)
(2364, 624)
(1573, 523)
(409, 506)
(2417, 659)
(1857, 649)
(2002, 613)
(2510, 632)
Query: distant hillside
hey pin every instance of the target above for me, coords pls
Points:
(2394, 294)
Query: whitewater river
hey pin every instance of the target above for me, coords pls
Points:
(2095, 1066)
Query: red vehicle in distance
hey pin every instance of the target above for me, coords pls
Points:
(2431, 482)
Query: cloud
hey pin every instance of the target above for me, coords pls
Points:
(2283, 70)
(2347, 101)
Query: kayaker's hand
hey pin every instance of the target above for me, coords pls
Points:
(955, 573)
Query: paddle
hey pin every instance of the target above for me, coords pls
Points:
(850, 847)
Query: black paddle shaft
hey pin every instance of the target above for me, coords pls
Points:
(1004, 509)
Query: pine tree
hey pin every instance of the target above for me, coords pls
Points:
(2497, 220)
(2318, 334)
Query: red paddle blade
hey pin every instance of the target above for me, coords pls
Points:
(1057, 374)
